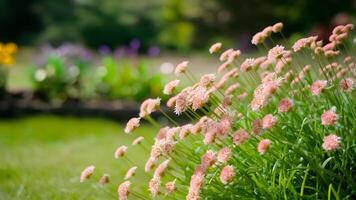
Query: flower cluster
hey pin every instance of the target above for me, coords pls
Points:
(7, 52)
(271, 126)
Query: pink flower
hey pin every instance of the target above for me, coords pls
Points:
(277, 27)
(285, 105)
(208, 159)
(132, 124)
(149, 106)
(268, 121)
(171, 187)
(224, 155)
(207, 80)
(256, 126)
(223, 66)
(184, 131)
(258, 38)
(153, 185)
(318, 86)
(240, 136)
(123, 190)
(215, 48)
(276, 53)
(331, 142)
(138, 140)
(227, 173)
(171, 102)
(131, 172)
(170, 87)
(150, 163)
(247, 65)
(329, 118)
(120, 151)
(225, 55)
(181, 68)
(231, 88)
(263, 146)
(347, 84)
(209, 136)
(104, 179)
(242, 96)
(86, 173)
(161, 168)
(196, 181)
(199, 98)
(182, 103)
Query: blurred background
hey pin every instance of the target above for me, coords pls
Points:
(66, 64)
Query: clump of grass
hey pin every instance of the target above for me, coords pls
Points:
(279, 126)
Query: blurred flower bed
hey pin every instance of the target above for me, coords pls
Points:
(71, 72)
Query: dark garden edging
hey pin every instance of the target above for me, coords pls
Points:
(18, 104)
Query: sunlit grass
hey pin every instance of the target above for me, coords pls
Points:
(42, 157)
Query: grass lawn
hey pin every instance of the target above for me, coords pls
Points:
(42, 157)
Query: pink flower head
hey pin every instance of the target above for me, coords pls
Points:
(120, 151)
(149, 106)
(199, 98)
(181, 68)
(123, 190)
(207, 80)
(276, 53)
(171, 187)
(170, 87)
(247, 65)
(208, 159)
(104, 179)
(233, 55)
(268, 121)
(224, 155)
(256, 126)
(285, 105)
(86, 173)
(223, 66)
(347, 84)
(182, 102)
(267, 31)
(196, 181)
(263, 146)
(215, 48)
(318, 86)
(231, 88)
(277, 27)
(240, 136)
(331, 142)
(150, 163)
(184, 131)
(138, 140)
(153, 186)
(242, 96)
(132, 124)
(161, 168)
(225, 55)
(131, 172)
(171, 102)
(258, 38)
(209, 136)
(227, 173)
(329, 118)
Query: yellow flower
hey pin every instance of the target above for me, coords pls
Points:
(6, 53)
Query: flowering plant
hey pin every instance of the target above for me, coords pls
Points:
(7, 52)
(279, 126)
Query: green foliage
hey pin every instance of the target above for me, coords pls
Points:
(125, 80)
(60, 81)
